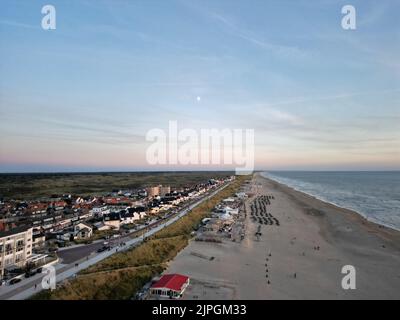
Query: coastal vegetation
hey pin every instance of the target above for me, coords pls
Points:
(35, 185)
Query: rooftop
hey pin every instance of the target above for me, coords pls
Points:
(14, 231)
(171, 281)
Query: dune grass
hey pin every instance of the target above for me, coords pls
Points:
(109, 285)
(152, 252)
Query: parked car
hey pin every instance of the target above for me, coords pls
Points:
(14, 281)
(29, 274)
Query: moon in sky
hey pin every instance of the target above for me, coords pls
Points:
(198, 99)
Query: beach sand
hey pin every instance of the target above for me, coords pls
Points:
(285, 263)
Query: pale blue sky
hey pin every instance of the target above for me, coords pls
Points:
(84, 95)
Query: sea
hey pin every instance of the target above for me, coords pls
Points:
(375, 195)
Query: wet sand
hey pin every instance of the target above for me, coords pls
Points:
(302, 258)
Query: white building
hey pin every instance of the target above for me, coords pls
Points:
(170, 286)
(101, 211)
(231, 211)
(79, 231)
(83, 231)
(15, 248)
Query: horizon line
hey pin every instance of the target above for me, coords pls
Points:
(192, 171)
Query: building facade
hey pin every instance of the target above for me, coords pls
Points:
(15, 248)
(153, 191)
(164, 190)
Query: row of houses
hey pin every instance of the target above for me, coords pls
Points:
(13, 210)
(127, 216)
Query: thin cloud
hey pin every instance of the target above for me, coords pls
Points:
(332, 97)
(281, 50)
(234, 29)
(18, 24)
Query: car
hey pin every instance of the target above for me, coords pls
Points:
(14, 281)
(102, 249)
(29, 274)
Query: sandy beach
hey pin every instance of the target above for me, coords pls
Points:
(301, 258)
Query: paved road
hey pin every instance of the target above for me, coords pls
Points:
(75, 254)
(65, 270)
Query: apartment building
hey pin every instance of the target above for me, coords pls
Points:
(158, 191)
(15, 247)
(164, 190)
(153, 191)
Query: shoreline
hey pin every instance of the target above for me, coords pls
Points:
(301, 258)
(364, 216)
(382, 230)
(336, 206)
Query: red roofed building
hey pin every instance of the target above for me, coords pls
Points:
(170, 286)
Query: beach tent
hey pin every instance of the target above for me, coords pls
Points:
(226, 216)
(231, 210)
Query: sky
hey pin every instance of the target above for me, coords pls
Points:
(83, 96)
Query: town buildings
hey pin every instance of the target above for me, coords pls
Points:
(31, 229)
(80, 231)
(128, 216)
(158, 191)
